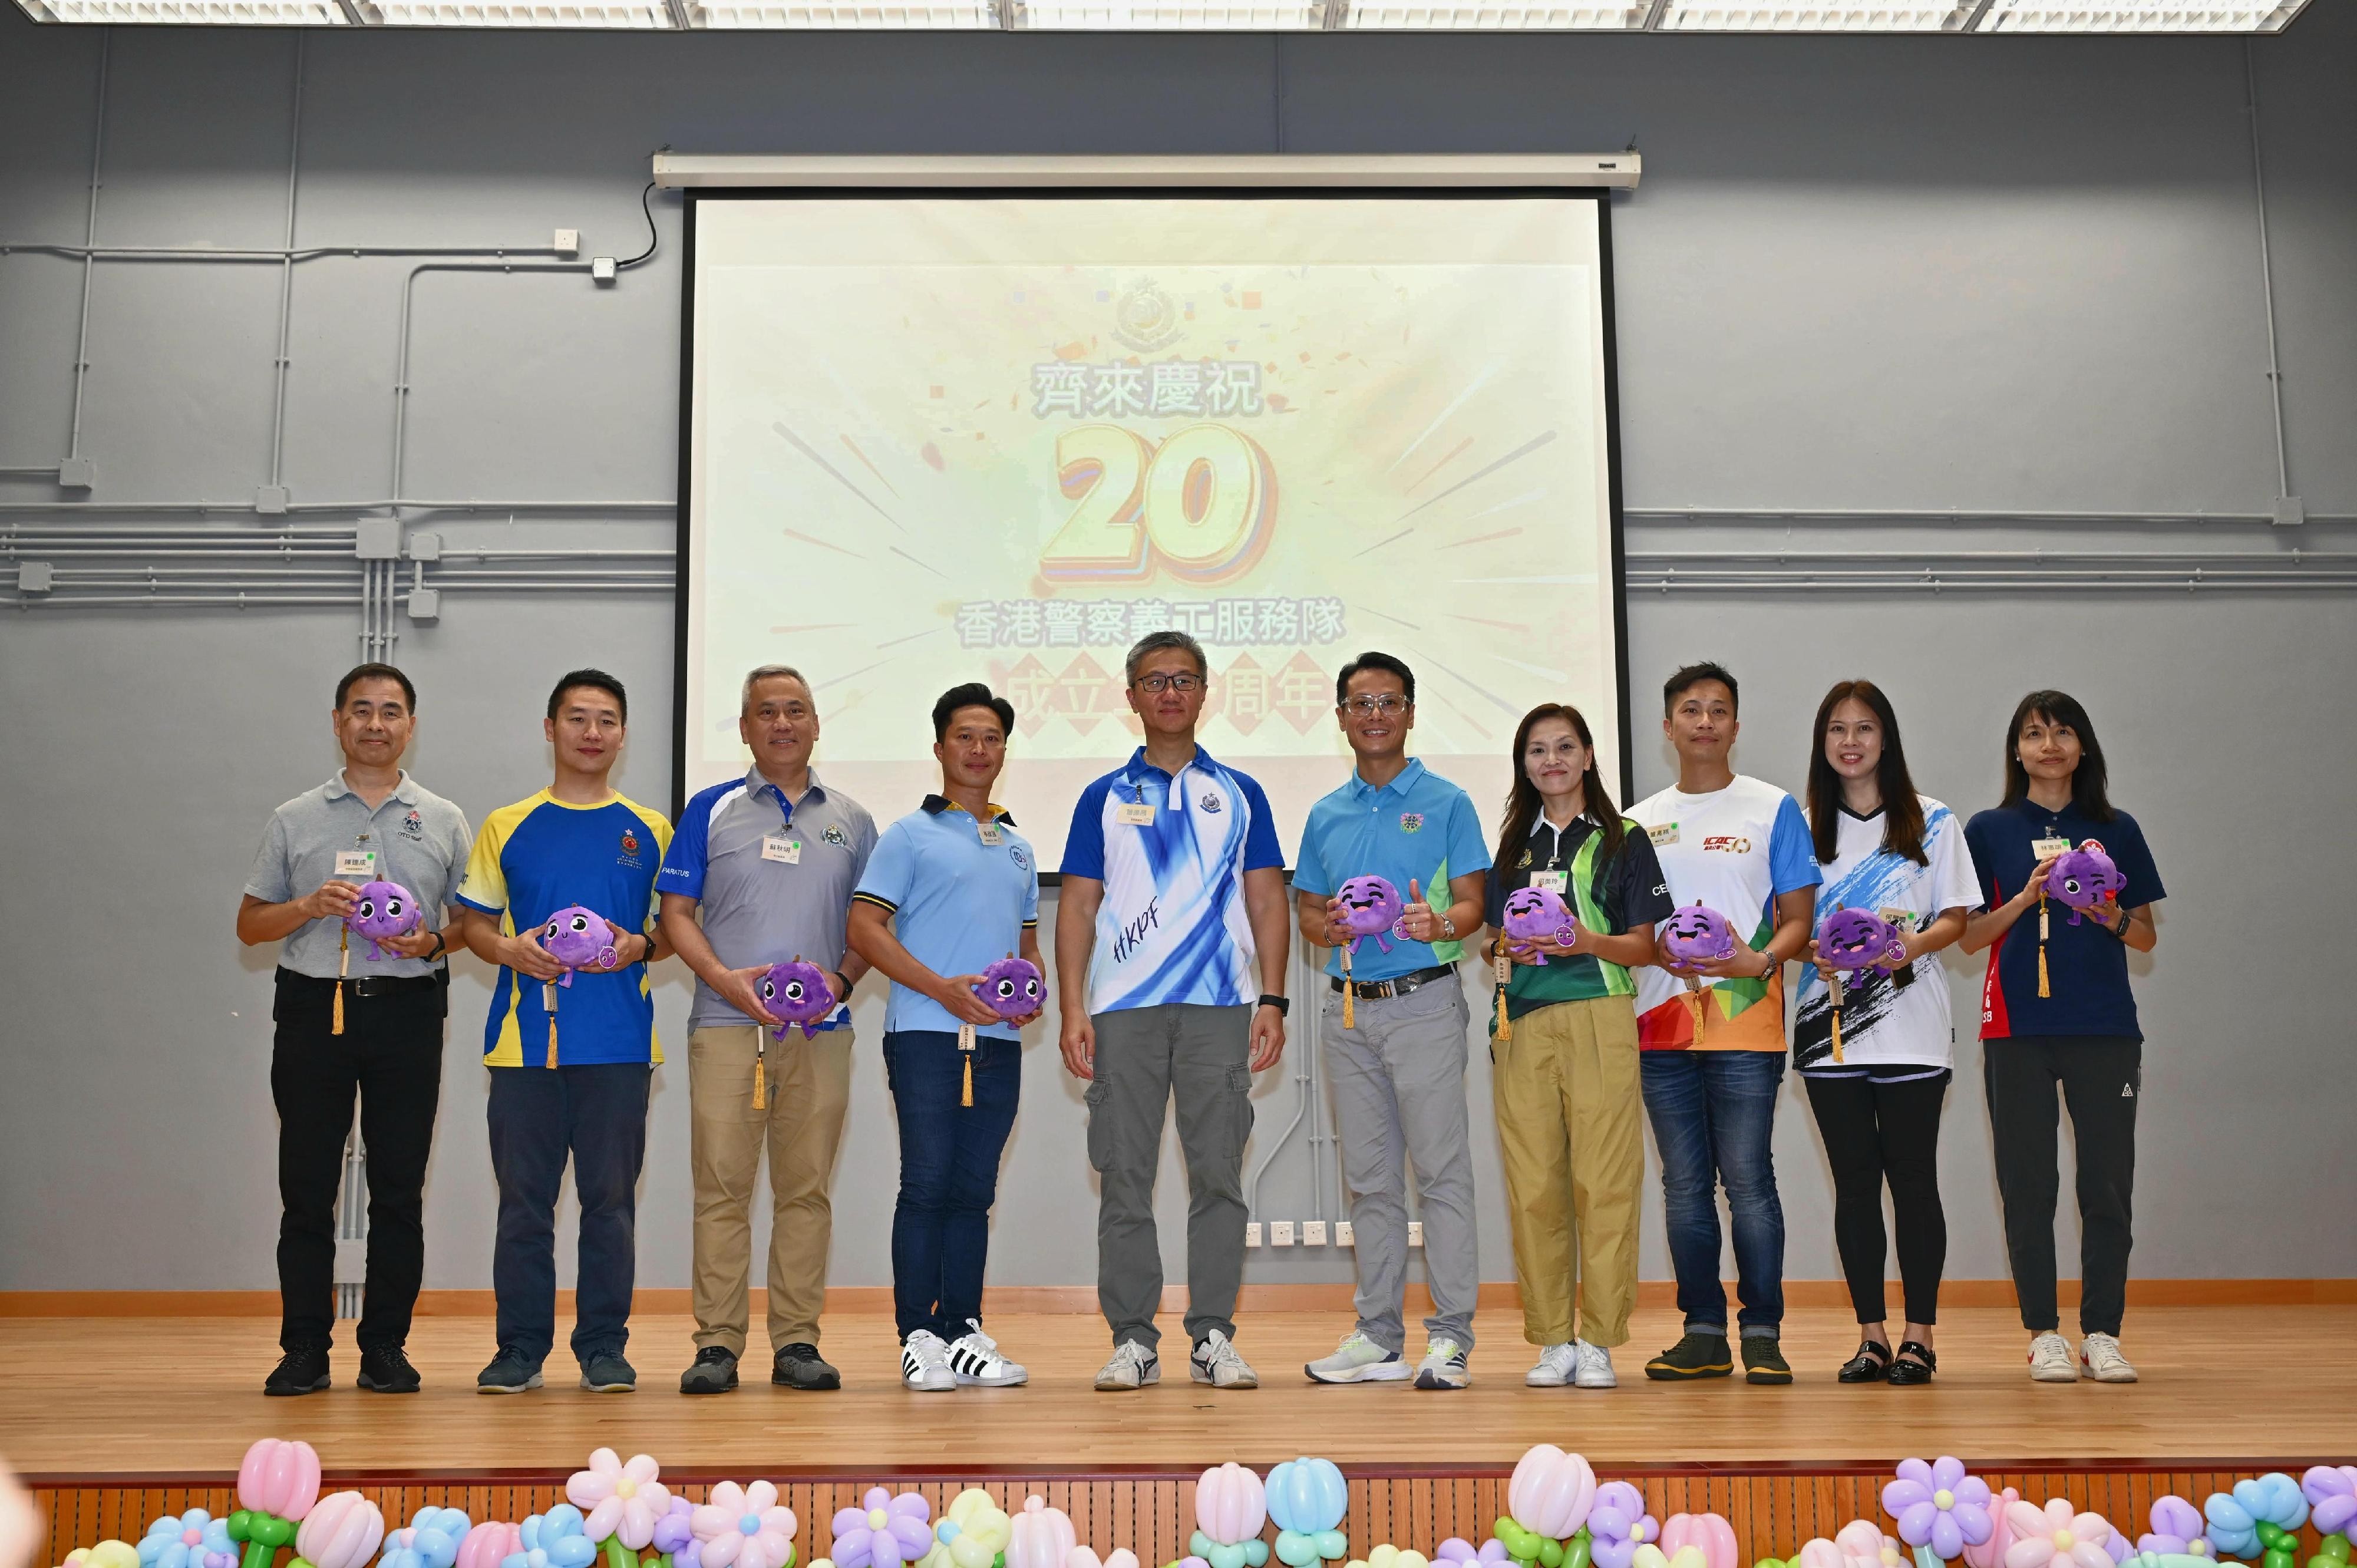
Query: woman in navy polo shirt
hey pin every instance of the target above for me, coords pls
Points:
(2056, 1009)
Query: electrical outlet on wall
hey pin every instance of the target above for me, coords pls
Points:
(1252, 1233)
(1415, 1233)
(1280, 1232)
(1343, 1235)
(1313, 1232)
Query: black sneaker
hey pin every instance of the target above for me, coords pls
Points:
(714, 1371)
(607, 1373)
(509, 1373)
(1696, 1356)
(1763, 1363)
(303, 1370)
(386, 1371)
(798, 1366)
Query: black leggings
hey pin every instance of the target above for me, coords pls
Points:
(1877, 1132)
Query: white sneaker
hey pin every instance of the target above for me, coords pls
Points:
(1215, 1362)
(2050, 1360)
(1132, 1366)
(2100, 1355)
(1595, 1366)
(1359, 1360)
(1555, 1365)
(973, 1358)
(1443, 1366)
(925, 1364)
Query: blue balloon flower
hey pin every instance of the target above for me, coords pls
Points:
(186, 1540)
(430, 1542)
(553, 1540)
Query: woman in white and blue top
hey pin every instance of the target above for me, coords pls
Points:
(1885, 849)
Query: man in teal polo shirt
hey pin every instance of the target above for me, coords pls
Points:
(1398, 1068)
(950, 889)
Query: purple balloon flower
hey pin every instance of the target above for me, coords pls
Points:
(1617, 1524)
(2178, 1528)
(674, 1534)
(1459, 1551)
(2331, 1492)
(884, 1531)
(1939, 1505)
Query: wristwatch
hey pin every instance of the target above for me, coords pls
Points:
(441, 946)
(1283, 1005)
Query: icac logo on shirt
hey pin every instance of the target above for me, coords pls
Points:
(1210, 803)
(1731, 843)
(1411, 821)
(834, 835)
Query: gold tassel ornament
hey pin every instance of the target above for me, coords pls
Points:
(343, 968)
(1505, 1030)
(1350, 993)
(548, 1006)
(760, 1080)
(2042, 990)
(1837, 989)
(965, 1046)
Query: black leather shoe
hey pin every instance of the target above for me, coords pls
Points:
(799, 1367)
(302, 1370)
(386, 1371)
(1870, 1365)
(1915, 1364)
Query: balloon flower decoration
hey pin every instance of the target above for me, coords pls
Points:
(489, 1544)
(1308, 1498)
(884, 1531)
(342, 1531)
(577, 939)
(1457, 1552)
(1230, 1506)
(2259, 1516)
(277, 1483)
(1547, 1503)
(745, 1527)
(1618, 1525)
(623, 1502)
(1367, 907)
(2331, 1491)
(193, 1539)
(2176, 1530)
(430, 1540)
(1696, 935)
(1694, 1540)
(674, 1544)
(1533, 915)
(1041, 1537)
(2056, 1536)
(552, 1539)
(1086, 1557)
(105, 1554)
(1941, 1510)
(1011, 987)
(1390, 1556)
(1854, 941)
(973, 1530)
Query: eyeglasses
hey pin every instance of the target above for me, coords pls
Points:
(1368, 707)
(1157, 683)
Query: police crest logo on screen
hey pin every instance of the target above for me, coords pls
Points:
(1145, 318)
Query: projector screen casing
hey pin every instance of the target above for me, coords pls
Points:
(1117, 745)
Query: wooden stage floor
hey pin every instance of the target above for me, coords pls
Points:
(98, 1400)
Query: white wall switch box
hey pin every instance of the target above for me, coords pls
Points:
(426, 547)
(601, 268)
(424, 604)
(377, 538)
(1280, 1233)
(36, 576)
(271, 500)
(1252, 1233)
(2290, 512)
(1343, 1235)
(568, 242)
(1313, 1232)
(77, 473)
(1415, 1233)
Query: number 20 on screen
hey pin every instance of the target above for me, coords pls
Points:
(1199, 505)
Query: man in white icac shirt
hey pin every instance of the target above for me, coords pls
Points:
(1711, 1038)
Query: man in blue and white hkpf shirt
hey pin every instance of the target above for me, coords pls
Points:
(1170, 949)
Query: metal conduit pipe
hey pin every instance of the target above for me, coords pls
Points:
(89, 236)
(287, 273)
(401, 371)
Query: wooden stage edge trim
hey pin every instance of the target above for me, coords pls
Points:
(1330, 1298)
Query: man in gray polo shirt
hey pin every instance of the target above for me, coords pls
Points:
(383, 1037)
(761, 871)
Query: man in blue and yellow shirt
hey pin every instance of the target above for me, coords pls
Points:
(570, 1066)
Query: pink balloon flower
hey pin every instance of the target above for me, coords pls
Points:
(278, 1478)
(341, 1531)
(618, 1499)
(746, 1527)
(2056, 1535)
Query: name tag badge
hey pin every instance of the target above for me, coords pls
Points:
(2046, 848)
(1134, 815)
(990, 835)
(356, 866)
(1554, 882)
(1666, 833)
(1905, 919)
(781, 849)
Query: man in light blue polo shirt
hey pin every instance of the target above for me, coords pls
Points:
(952, 889)
(1172, 907)
(1398, 1066)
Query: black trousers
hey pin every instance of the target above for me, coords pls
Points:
(2101, 1076)
(391, 1055)
(1875, 1133)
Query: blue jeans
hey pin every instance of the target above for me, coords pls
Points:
(1713, 1114)
(948, 1171)
(598, 1115)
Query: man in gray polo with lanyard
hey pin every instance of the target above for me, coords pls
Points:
(381, 1038)
(760, 871)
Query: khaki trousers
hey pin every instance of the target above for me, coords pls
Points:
(1571, 1129)
(809, 1088)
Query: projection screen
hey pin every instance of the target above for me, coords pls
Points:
(931, 437)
